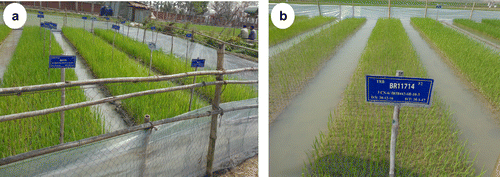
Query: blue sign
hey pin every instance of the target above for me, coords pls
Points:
(153, 28)
(116, 27)
(48, 25)
(40, 12)
(189, 35)
(404, 90)
(107, 18)
(40, 16)
(62, 61)
(93, 18)
(438, 6)
(123, 22)
(198, 63)
(152, 46)
(85, 18)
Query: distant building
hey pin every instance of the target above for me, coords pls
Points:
(130, 10)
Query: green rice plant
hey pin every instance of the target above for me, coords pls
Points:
(98, 55)
(28, 66)
(484, 28)
(492, 22)
(291, 69)
(169, 64)
(300, 26)
(4, 32)
(476, 62)
(359, 133)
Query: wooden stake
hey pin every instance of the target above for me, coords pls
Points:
(394, 133)
(63, 100)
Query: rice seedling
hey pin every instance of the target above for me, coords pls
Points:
(291, 69)
(169, 64)
(98, 55)
(29, 66)
(4, 32)
(476, 62)
(302, 25)
(492, 22)
(484, 28)
(358, 137)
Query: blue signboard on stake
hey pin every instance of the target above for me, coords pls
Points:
(85, 18)
(40, 12)
(123, 22)
(52, 25)
(116, 27)
(62, 61)
(399, 90)
(153, 28)
(107, 18)
(438, 6)
(40, 16)
(189, 35)
(93, 18)
(197, 63)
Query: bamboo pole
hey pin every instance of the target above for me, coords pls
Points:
(470, 17)
(63, 101)
(114, 98)
(394, 134)
(425, 15)
(145, 146)
(215, 106)
(389, 8)
(60, 147)
(19, 90)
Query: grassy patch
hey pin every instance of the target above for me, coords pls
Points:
(28, 66)
(4, 32)
(492, 22)
(291, 69)
(358, 137)
(484, 28)
(97, 53)
(300, 26)
(169, 64)
(478, 63)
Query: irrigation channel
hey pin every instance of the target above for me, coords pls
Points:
(112, 120)
(194, 50)
(7, 50)
(294, 130)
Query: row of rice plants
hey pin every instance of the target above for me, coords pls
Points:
(484, 28)
(359, 133)
(493, 22)
(28, 66)
(4, 32)
(169, 64)
(98, 55)
(277, 35)
(291, 69)
(478, 63)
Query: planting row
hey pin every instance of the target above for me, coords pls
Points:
(4, 32)
(291, 69)
(169, 64)
(484, 28)
(299, 26)
(29, 66)
(106, 62)
(359, 133)
(478, 63)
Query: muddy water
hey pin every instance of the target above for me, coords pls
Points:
(294, 131)
(490, 43)
(111, 119)
(7, 50)
(471, 113)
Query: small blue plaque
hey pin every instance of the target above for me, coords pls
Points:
(153, 27)
(197, 63)
(62, 61)
(40, 16)
(399, 90)
(116, 27)
(189, 35)
(85, 18)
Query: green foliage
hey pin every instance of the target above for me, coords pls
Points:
(29, 66)
(98, 55)
(301, 25)
(492, 22)
(358, 137)
(290, 69)
(477, 62)
(169, 64)
(489, 30)
(4, 32)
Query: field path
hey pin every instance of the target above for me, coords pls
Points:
(7, 49)
(480, 39)
(282, 46)
(469, 109)
(294, 131)
(112, 120)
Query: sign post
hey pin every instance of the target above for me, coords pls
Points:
(40, 16)
(123, 24)
(115, 27)
(187, 46)
(195, 63)
(153, 28)
(107, 23)
(152, 46)
(84, 19)
(128, 29)
(62, 61)
(92, 27)
(398, 91)
(437, 12)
